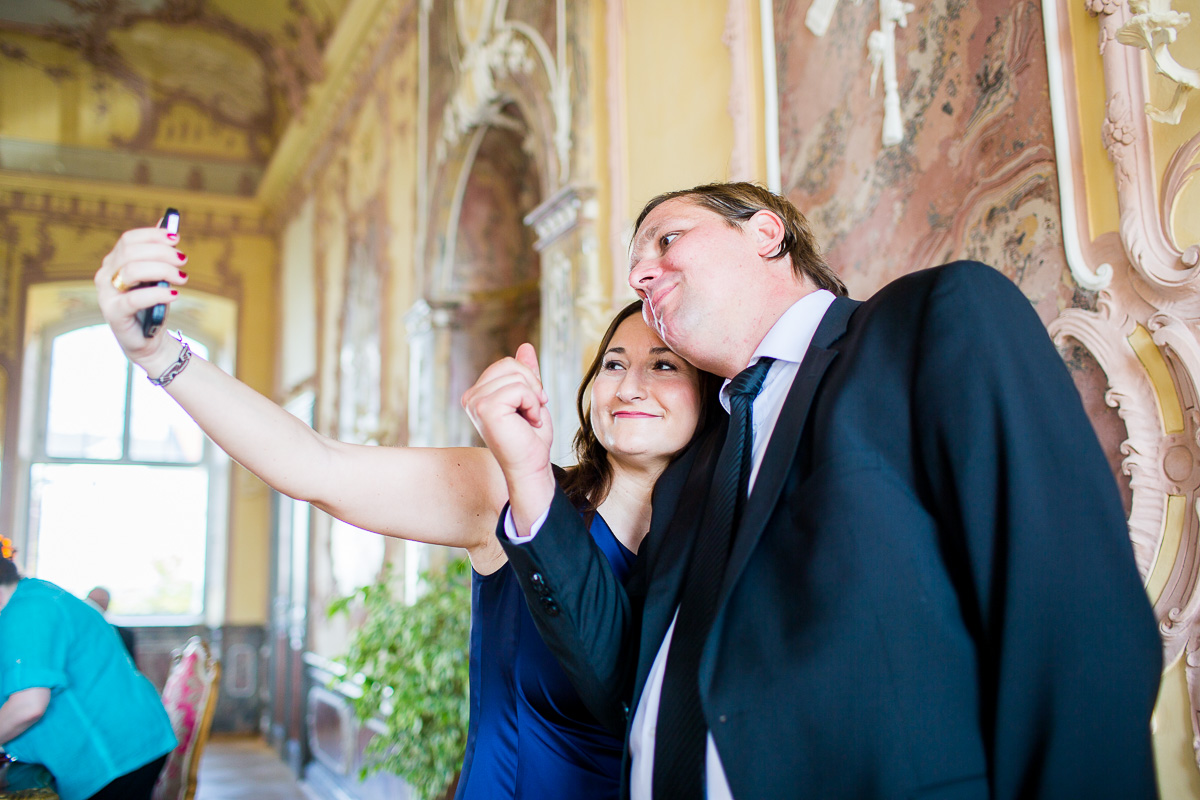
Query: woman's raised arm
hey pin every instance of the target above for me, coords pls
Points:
(448, 496)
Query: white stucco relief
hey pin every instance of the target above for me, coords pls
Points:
(881, 54)
(1154, 27)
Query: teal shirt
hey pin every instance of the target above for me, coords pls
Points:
(105, 719)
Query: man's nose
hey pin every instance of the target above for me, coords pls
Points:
(642, 275)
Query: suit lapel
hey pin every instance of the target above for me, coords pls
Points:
(785, 437)
(677, 511)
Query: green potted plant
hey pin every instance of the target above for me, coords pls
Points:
(411, 662)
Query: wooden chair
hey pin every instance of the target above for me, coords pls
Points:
(190, 696)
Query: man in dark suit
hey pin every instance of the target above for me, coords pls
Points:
(100, 597)
(923, 586)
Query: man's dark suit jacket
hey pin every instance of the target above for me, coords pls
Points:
(129, 639)
(931, 593)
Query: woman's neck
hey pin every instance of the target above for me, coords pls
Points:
(626, 509)
(6, 593)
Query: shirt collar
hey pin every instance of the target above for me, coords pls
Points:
(789, 338)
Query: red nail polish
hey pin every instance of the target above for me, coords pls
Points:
(182, 274)
(182, 257)
(173, 292)
(172, 236)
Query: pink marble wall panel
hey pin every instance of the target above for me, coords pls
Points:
(974, 176)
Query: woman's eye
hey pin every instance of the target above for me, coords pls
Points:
(610, 365)
(665, 365)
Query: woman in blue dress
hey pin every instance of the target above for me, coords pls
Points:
(639, 405)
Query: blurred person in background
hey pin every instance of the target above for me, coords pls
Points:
(100, 598)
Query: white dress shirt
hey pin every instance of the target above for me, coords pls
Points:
(786, 342)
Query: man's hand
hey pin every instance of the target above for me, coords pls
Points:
(508, 407)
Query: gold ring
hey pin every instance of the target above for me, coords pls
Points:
(118, 284)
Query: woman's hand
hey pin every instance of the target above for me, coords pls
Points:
(508, 407)
(142, 255)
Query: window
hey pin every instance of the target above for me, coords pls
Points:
(124, 489)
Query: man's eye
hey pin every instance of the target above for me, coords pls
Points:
(667, 238)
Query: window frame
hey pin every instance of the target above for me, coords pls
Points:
(31, 450)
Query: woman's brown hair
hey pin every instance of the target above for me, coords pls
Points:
(9, 574)
(587, 483)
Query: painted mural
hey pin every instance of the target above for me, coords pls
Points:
(171, 93)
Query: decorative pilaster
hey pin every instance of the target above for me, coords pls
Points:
(574, 307)
(430, 328)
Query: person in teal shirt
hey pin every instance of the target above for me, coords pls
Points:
(72, 699)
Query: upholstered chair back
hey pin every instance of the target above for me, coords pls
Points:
(190, 696)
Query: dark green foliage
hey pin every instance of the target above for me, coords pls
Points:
(413, 665)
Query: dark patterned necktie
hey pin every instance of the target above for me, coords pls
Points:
(681, 732)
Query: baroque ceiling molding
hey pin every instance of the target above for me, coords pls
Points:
(1145, 330)
(349, 56)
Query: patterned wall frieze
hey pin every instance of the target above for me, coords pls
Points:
(123, 207)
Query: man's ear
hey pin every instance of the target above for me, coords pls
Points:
(767, 229)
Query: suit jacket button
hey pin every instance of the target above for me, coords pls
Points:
(539, 584)
(721, 718)
(551, 607)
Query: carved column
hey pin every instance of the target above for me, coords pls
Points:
(574, 306)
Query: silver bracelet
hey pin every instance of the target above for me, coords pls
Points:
(185, 355)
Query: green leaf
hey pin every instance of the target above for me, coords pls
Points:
(419, 653)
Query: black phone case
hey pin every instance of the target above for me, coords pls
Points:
(153, 318)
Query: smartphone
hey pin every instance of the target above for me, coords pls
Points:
(152, 318)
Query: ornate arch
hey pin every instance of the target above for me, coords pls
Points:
(483, 71)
